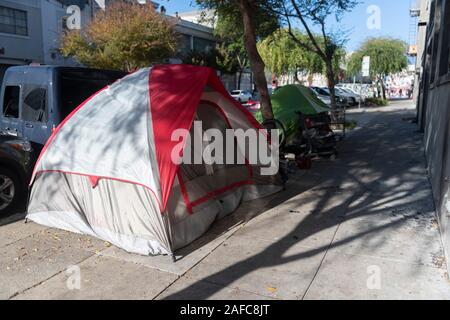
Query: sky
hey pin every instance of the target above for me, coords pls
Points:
(394, 19)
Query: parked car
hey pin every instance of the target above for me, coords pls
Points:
(359, 89)
(252, 105)
(352, 97)
(324, 98)
(360, 96)
(241, 95)
(17, 159)
(34, 101)
(341, 100)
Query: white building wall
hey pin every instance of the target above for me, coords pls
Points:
(53, 13)
(18, 49)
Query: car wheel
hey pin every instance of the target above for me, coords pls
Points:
(10, 191)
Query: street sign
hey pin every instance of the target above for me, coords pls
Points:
(366, 66)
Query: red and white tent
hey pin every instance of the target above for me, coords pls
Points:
(107, 171)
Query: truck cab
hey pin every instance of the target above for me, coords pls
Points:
(33, 101)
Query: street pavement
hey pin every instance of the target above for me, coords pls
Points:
(362, 226)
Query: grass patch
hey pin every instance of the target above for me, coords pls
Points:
(377, 101)
(350, 125)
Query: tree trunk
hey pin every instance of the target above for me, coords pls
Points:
(331, 83)
(239, 79)
(248, 8)
(383, 88)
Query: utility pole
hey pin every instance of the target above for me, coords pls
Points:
(360, 93)
(365, 72)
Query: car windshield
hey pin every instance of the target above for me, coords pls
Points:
(236, 92)
(324, 91)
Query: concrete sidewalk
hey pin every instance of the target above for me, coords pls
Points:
(359, 227)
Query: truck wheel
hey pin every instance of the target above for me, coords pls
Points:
(10, 191)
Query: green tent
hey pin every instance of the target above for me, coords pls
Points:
(287, 101)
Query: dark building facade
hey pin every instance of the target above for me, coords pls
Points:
(433, 105)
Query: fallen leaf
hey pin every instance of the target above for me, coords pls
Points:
(271, 289)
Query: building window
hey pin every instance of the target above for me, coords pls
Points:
(13, 21)
(203, 45)
(184, 46)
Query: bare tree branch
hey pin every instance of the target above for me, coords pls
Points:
(308, 30)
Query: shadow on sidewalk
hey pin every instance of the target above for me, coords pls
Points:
(380, 171)
(12, 218)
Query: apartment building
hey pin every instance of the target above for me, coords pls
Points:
(30, 30)
(20, 33)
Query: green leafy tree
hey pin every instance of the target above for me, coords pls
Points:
(312, 15)
(247, 18)
(217, 58)
(232, 43)
(230, 32)
(387, 56)
(282, 55)
(125, 37)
